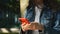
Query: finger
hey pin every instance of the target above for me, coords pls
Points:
(19, 19)
(25, 27)
(24, 30)
(23, 24)
(32, 27)
(28, 27)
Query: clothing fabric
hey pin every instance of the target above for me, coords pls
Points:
(49, 19)
(37, 15)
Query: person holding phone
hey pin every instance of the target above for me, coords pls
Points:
(42, 15)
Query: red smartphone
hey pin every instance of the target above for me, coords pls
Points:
(24, 20)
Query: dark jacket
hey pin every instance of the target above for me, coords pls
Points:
(50, 20)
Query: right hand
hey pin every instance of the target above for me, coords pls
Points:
(25, 27)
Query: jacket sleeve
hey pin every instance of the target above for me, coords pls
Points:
(54, 24)
(57, 22)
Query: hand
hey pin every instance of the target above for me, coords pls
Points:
(25, 27)
(37, 26)
(32, 26)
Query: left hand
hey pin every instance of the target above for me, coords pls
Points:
(36, 26)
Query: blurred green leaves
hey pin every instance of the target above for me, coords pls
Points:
(10, 4)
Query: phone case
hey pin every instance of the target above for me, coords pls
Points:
(24, 20)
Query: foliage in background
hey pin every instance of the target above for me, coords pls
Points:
(9, 12)
(9, 4)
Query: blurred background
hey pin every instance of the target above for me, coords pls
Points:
(23, 6)
(9, 14)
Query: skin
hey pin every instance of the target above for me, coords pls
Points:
(32, 26)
